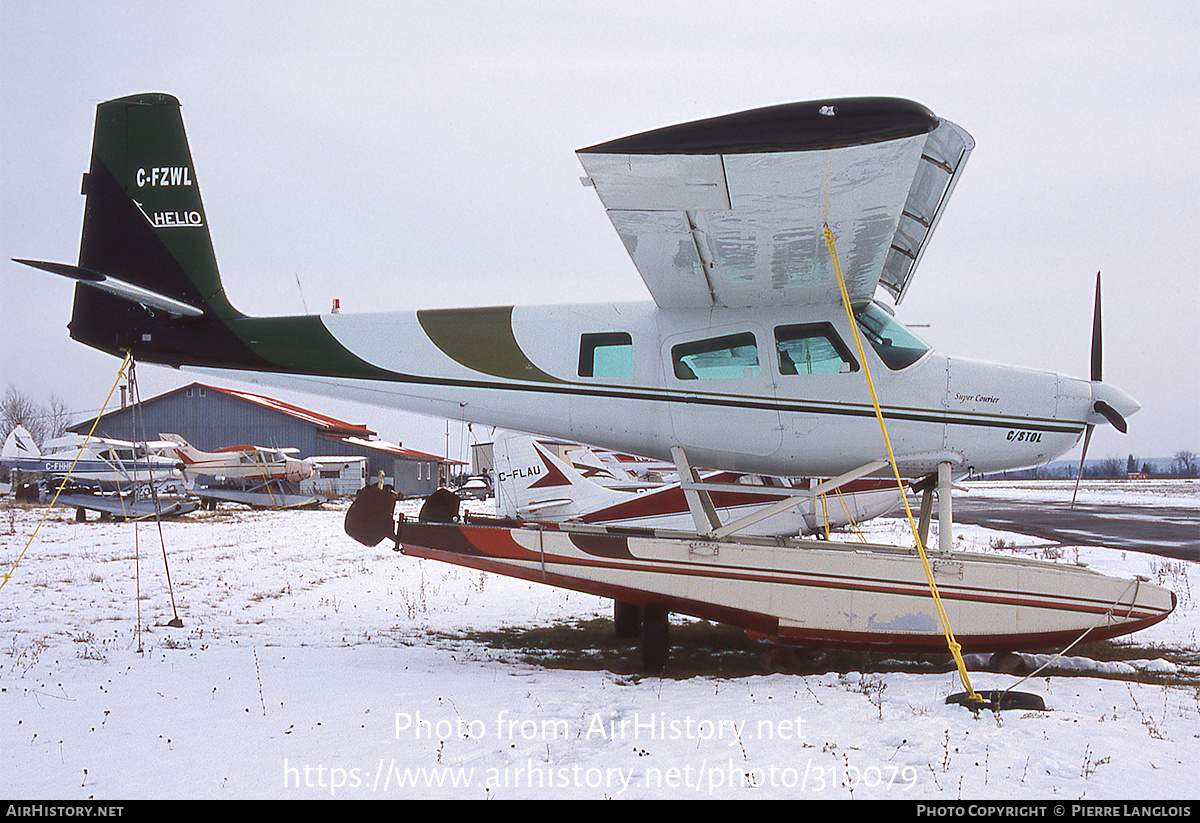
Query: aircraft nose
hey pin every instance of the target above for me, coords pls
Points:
(1111, 404)
(299, 469)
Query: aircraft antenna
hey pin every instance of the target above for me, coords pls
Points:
(300, 288)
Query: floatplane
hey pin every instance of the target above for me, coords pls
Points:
(763, 238)
(534, 484)
(259, 476)
(113, 477)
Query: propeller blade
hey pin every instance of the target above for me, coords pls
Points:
(1100, 407)
(1097, 344)
(1087, 439)
(1111, 415)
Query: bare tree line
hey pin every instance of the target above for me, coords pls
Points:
(43, 422)
(1184, 464)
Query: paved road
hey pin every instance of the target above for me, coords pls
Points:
(1169, 531)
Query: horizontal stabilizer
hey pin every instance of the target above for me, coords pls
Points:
(120, 288)
(533, 508)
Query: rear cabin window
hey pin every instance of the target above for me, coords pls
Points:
(717, 358)
(608, 354)
(812, 348)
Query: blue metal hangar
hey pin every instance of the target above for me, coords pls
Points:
(211, 418)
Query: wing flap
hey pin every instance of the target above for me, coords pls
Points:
(663, 246)
(942, 160)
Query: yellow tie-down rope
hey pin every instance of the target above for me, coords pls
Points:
(120, 374)
(955, 647)
(849, 516)
(850, 521)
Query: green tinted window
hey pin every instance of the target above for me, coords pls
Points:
(609, 354)
(734, 355)
(896, 346)
(812, 348)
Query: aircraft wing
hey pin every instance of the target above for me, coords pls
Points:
(731, 211)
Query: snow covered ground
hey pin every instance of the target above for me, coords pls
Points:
(309, 666)
(1158, 492)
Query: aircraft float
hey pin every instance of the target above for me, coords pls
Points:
(763, 238)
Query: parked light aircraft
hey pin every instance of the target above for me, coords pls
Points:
(255, 464)
(99, 462)
(532, 483)
(745, 359)
(256, 476)
(763, 238)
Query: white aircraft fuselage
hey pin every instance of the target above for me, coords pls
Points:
(976, 415)
(101, 462)
(251, 463)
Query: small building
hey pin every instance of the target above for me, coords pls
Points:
(210, 418)
(410, 473)
(335, 477)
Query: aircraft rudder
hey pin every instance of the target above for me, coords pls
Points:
(19, 445)
(182, 449)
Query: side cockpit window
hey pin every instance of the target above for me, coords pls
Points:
(607, 354)
(812, 348)
(730, 356)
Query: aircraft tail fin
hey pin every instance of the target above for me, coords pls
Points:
(184, 450)
(592, 466)
(19, 446)
(532, 483)
(145, 257)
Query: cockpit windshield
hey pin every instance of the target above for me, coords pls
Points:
(896, 346)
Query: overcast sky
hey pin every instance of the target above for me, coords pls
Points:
(399, 156)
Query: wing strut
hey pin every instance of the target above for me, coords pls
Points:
(697, 492)
(784, 505)
(704, 513)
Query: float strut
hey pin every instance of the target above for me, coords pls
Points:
(945, 510)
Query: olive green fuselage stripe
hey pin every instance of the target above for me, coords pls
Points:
(482, 339)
